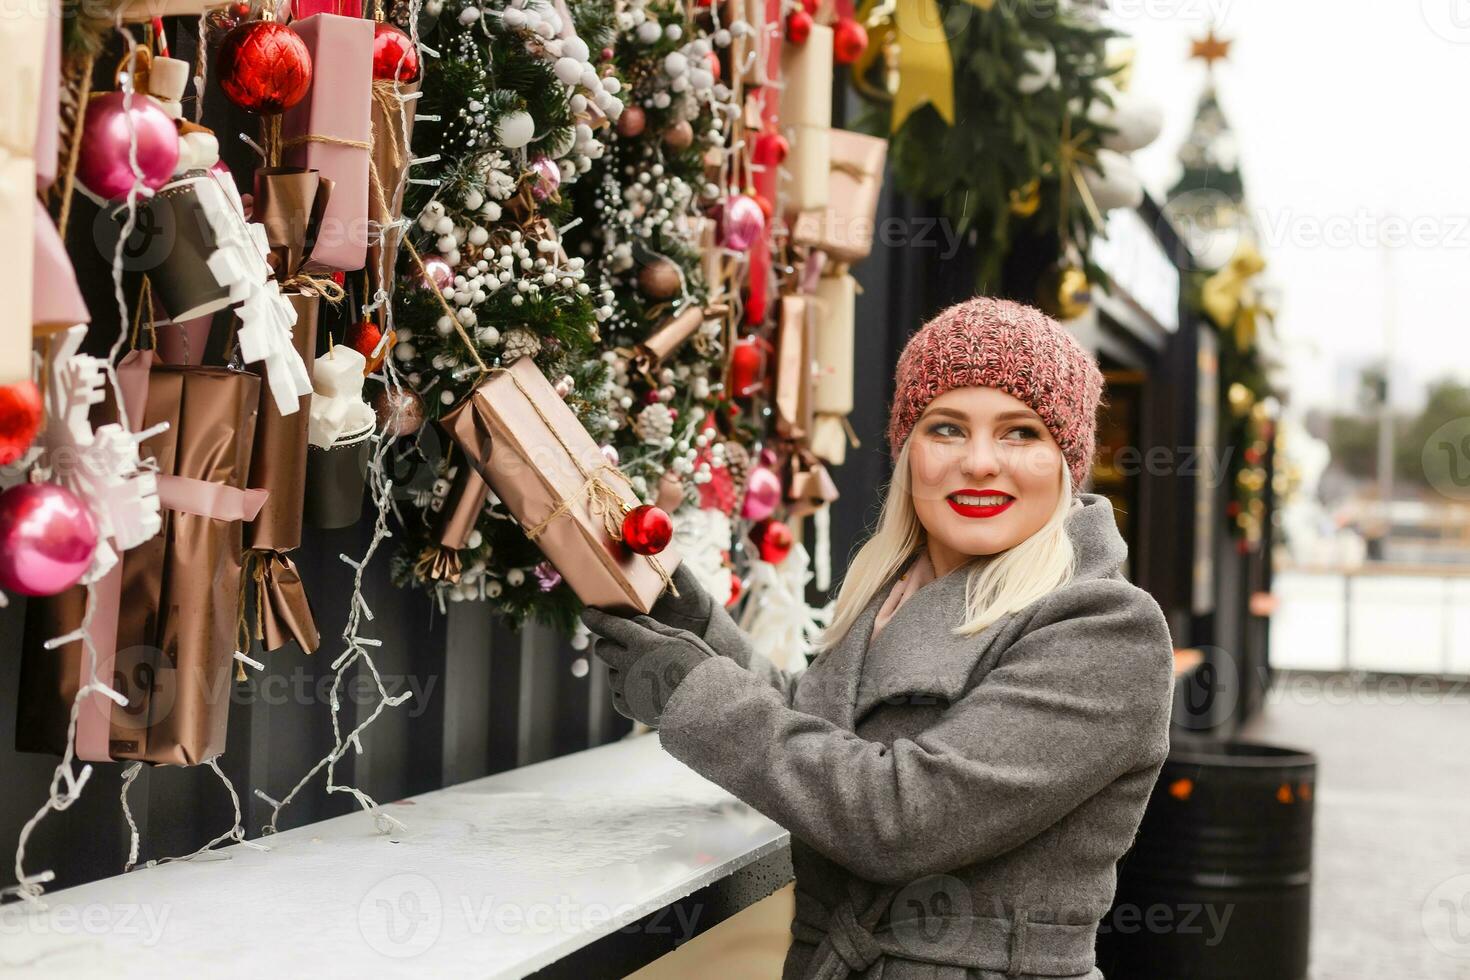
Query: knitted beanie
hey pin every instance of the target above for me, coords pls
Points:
(997, 343)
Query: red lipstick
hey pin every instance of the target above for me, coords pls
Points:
(972, 510)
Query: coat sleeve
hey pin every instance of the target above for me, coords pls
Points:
(1080, 699)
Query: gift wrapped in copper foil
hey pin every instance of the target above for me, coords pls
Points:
(176, 630)
(531, 450)
(454, 519)
(844, 228)
(794, 381)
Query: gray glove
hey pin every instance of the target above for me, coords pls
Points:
(697, 611)
(646, 660)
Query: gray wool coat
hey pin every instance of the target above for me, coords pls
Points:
(957, 805)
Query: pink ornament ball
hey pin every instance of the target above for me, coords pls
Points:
(103, 166)
(741, 222)
(440, 273)
(762, 494)
(548, 178)
(47, 537)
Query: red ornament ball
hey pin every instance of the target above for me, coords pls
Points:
(798, 27)
(747, 366)
(771, 148)
(366, 337)
(773, 539)
(264, 67)
(394, 56)
(647, 530)
(735, 589)
(849, 41)
(20, 419)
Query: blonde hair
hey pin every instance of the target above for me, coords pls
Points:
(995, 585)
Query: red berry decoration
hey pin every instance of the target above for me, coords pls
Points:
(647, 530)
(770, 148)
(735, 589)
(394, 56)
(714, 64)
(849, 41)
(20, 419)
(798, 27)
(264, 67)
(773, 539)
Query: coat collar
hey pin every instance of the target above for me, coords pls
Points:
(916, 653)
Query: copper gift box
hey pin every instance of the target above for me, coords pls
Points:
(844, 228)
(536, 456)
(180, 591)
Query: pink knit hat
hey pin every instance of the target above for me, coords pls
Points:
(997, 343)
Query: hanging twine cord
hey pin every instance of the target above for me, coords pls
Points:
(604, 501)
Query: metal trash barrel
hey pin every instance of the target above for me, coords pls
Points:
(1218, 883)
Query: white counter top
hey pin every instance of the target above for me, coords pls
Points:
(498, 877)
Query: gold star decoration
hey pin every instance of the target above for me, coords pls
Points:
(1210, 49)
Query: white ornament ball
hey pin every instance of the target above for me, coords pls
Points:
(648, 32)
(478, 235)
(575, 47)
(569, 70)
(578, 103)
(673, 32)
(515, 576)
(515, 129)
(469, 15)
(513, 17)
(473, 199)
(675, 64)
(612, 85)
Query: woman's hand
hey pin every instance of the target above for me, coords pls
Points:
(647, 661)
(695, 610)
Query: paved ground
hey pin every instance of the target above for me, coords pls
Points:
(1391, 886)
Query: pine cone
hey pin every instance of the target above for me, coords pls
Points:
(654, 423)
(518, 342)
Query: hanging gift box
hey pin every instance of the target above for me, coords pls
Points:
(807, 165)
(669, 336)
(844, 228)
(52, 673)
(23, 53)
(330, 130)
(163, 620)
(176, 630)
(806, 81)
(809, 486)
(794, 345)
(531, 450)
(832, 398)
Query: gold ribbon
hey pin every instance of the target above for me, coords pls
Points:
(925, 65)
(1224, 295)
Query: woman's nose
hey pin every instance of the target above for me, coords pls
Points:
(980, 458)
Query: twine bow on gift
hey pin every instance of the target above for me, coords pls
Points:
(603, 501)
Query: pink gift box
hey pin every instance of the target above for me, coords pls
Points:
(330, 130)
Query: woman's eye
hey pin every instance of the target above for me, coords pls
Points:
(944, 429)
(1027, 431)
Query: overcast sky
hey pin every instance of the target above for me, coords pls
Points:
(1352, 133)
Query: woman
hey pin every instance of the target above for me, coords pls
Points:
(970, 754)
